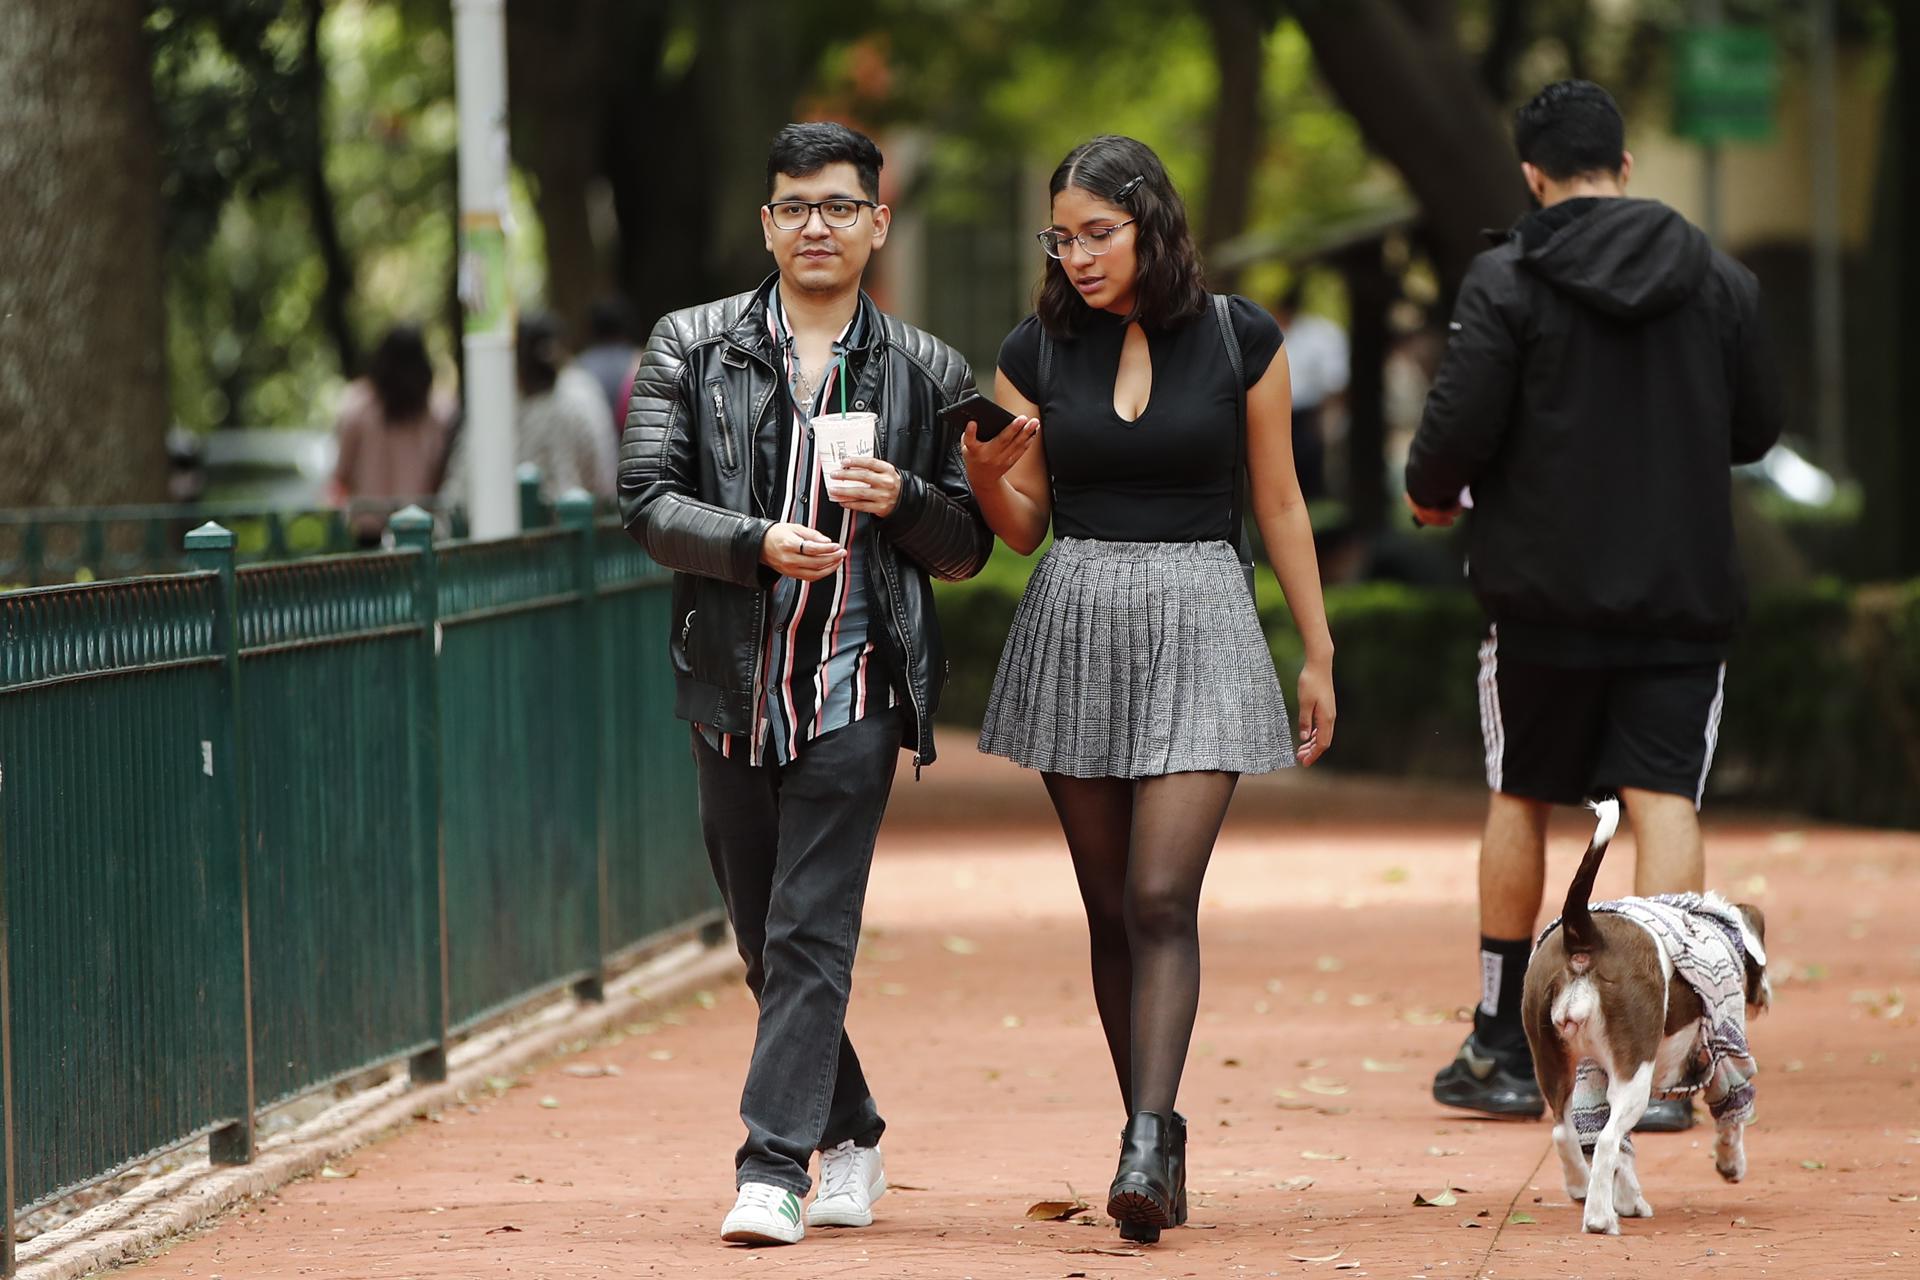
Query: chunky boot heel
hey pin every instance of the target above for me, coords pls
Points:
(1139, 1233)
(1142, 1194)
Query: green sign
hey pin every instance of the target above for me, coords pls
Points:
(1726, 84)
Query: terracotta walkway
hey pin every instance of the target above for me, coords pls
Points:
(1339, 931)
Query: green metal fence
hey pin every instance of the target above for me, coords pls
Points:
(263, 827)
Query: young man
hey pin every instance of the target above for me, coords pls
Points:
(1603, 372)
(805, 648)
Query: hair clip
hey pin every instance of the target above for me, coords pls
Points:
(1129, 188)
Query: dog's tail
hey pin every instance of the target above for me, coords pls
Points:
(1576, 922)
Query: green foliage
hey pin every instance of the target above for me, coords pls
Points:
(1822, 708)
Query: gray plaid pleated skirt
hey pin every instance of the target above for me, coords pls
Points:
(1136, 659)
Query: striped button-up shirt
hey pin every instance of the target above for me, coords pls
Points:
(818, 671)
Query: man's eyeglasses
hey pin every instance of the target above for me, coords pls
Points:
(791, 215)
(1095, 242)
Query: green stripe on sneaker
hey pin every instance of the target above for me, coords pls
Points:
(790, 1208)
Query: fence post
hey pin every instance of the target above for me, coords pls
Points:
(7, 1198)
(210, 549)
(533, 512)
(413, 531)
(575, 512)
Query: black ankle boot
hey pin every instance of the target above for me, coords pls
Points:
(1142, 1198)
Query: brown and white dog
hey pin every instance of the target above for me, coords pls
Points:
(1605, 1009)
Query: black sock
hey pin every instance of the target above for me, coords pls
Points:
(1503, 975)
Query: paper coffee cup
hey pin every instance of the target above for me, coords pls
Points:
(837, 438)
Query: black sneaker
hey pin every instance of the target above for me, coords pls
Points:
(1667, 1115)
(1499, 1084)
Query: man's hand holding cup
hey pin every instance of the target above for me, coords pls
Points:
(795, 551)
(871, 485)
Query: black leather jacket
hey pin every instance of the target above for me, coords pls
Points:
(698, 464)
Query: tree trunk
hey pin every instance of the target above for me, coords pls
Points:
(1401, 73)
(1239, 29)
(83, 395)
(561, 63)
(336, 290)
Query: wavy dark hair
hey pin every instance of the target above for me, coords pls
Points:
(1126, 173)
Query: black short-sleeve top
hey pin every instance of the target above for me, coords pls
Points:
(1169, 475)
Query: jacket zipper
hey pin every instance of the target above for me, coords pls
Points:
(727, 458)
(906, 650)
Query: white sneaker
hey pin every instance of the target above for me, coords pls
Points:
(764, 1214)
(851, 1179)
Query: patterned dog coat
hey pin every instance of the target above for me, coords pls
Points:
(1708, 942)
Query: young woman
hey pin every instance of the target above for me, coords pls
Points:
(1136, 678)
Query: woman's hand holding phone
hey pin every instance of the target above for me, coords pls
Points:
(989, 460)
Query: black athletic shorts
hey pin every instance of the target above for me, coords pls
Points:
(1563, 734)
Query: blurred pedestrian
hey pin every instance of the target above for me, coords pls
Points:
(390, 434)
(611, 355)
(1604, 371)
(1318, 358)
(560, 423)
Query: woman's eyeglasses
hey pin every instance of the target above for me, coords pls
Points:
(1095, 242)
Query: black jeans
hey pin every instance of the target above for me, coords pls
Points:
(791, 847)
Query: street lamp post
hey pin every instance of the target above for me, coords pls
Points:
(486, 296)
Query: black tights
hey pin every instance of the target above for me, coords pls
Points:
(1140, 851)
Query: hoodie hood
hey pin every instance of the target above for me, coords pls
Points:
(1628, 258)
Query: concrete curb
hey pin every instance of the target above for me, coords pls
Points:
(133, 1224)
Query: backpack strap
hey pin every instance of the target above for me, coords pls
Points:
(1237, 531)
(1046, 363)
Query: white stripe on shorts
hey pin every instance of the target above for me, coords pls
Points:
(1713, 733)
(1493, 731)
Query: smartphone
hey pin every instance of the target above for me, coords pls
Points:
(977, 408)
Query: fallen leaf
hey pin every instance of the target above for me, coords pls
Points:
(1471, 1223)
(1010, 1021)
(1904, 1199)
(549, 1102)
(1813, 1164)
(592, 1071)
(1274, 986)
(1394, 875)
(1325, 1257)
(704, 999)
(661, 1055)
(1520, 1218)
(1424, 1017)
(1346, 1266)
(960, 946)
(1321, 1155)
(1442, 1199)
(1230, 1062)
(902, 1186)
(499, 1230)
(1442, 1151)
(1738, 1222)
(1329, 964)
(328, 1171)
(1326, 1088)
(893, 988)
(1056, 1210)
(1333, 1111)
(1368, 1064)
(1299, 1182)
(1360, 999)
(1311, 1064)
(499, 1084)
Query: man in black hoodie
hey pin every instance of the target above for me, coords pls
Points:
(1603, 373)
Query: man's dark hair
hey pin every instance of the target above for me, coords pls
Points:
(1571, 128)
(1125, 173)
(538, 352)
(610, 320)
(801, 150)
(401, 374)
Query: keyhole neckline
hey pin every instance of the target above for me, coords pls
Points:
(1146, 355)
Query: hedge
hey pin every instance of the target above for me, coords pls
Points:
(1822, 709)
